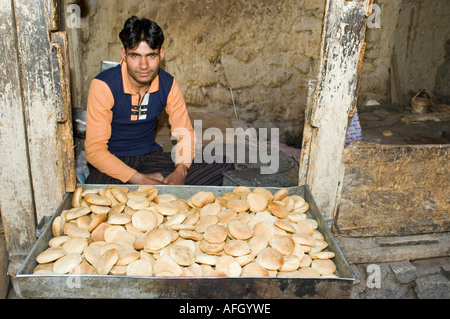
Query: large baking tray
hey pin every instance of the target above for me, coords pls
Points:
(29, 285)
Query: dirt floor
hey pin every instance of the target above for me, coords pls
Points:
(384, 125)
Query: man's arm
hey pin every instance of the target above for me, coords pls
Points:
(98, 133)
(152, 179)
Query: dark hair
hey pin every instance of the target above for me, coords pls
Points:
(136, 30)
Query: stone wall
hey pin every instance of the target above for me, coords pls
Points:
(265, 51)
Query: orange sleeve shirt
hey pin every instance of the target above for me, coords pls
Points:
(98, 126)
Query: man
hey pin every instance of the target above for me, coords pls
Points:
(123, 106)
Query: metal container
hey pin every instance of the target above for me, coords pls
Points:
(113, 286)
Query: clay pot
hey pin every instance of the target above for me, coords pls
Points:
(421, 102)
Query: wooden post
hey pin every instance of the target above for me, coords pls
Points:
(36, 164)
(16, 195)
(331, 101)
(33, 23)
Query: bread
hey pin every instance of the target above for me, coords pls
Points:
(167, 208)
(98, 234)
(75, 231)
(209, 248)
(284, 244)
(84, 221)
(92, 253)
(210, 209)
(107, 246)
(270, 258)
(192, 217)
(239, 230)
(237, 248)
(296, 217)
(161, 198)
(50, 254)
(140, 267)
(324, 267)
(322, 255)
(202, 198)
(285, 225)
(58, 225)
(228, 266)
(65, 264)
(84, 268)
(138, 202)
(76, 212)
(96, 220)
(264, 192)
(319, 245)
(58, 241)
(254, 270)
(188, 234)
(157, 239)
(97, 209)
(303, 239)
(238, 205)
(242, 189)
(127, 256)
(75, 245)
(258, 243)
(145, 232)
(106, 261)
(215, 234)
(280, 194)
(277, 210)
(305, 261)
(204, 222)
(119, 219)
(291, 263)
(76, 197)
(307, 272)
(111, 232)
(118, 270)
(182, 255)
(119, 194)
(305, 228)
(125, 238)
(227, 215)
(257, 202)
(263, 229)
(95, 199)
(206, 259)
(166, 266)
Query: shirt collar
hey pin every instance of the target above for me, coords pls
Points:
(154, 86)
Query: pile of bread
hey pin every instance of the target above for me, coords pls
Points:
(143, 232)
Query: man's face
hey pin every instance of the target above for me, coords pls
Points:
(142, 63)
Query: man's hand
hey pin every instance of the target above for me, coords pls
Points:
(147, 179)
(178, 176)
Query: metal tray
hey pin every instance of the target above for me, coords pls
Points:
(113, 286)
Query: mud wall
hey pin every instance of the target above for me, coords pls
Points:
(266, 51)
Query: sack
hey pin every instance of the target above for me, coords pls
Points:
(354, 132)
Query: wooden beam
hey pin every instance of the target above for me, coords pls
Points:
(75, 49)
(61, 79)
(334, 98)
(16, 195)
(33, 22)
